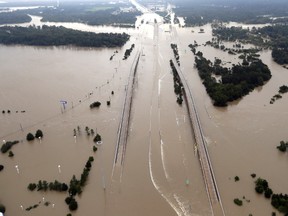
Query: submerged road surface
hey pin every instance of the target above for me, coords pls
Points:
(157, 138)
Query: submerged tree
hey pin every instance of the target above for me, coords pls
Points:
(30, 137)
(39, 134)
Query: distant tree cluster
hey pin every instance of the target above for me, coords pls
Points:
(91, 14)
(235, 82)
(282, 90)
(199, 13)
(279, 41)
(59, 36)
(275, 38)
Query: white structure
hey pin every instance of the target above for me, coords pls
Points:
(1, 214)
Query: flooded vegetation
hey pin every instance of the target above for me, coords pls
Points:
(49, 93)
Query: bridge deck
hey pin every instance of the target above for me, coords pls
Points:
(204, 158)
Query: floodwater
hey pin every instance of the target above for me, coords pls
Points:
(160, 155)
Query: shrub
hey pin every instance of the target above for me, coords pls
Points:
(253, 175)
(238, 202)
(30, 137)
(1, 167)
(236, 178)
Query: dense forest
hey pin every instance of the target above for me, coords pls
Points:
(254, 12)
(103, 17)
(91, 13)
(14, 17)
(278, 35)
(58, 36)
(235, 82)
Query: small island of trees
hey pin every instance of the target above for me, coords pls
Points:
(59, 36)
(235, 82)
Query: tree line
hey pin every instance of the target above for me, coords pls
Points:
(199, 13)
(14, 17)
(59, 36)
(91, 13)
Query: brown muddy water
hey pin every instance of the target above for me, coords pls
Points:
(160, 155)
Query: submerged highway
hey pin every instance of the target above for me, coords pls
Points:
(209, 178)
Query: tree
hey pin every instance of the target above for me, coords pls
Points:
(11, 154)
(2, 208)
(268, 193)
(32, 186)
(30, 137)
(88, 164)
(68, 200)
(95, 104)
(97, 138)
(282, 147)
(94, 149)
(73, 205)
(39, 134)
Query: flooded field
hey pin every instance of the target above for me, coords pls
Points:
(161, 172)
